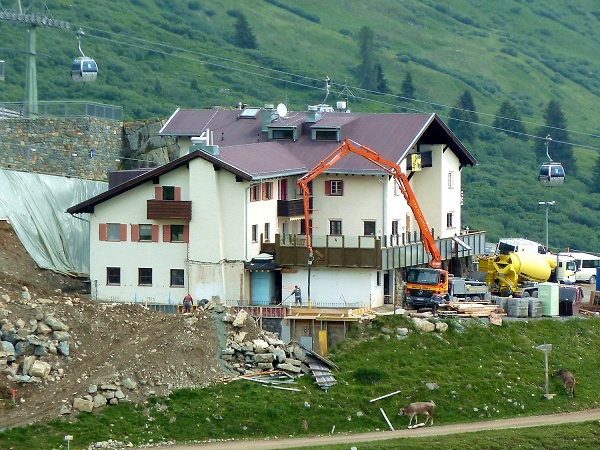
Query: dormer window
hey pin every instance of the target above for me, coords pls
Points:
(326, 133)
(283, 133)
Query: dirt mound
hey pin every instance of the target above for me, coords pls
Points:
(108, 343)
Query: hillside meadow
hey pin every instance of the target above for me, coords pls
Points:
(473, 372)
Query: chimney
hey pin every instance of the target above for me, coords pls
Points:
(312, 114)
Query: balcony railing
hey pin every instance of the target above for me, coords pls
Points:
(380, 252)
(291, 208)
(168, 209)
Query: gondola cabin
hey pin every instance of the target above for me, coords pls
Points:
(552, 174)
(84, 69)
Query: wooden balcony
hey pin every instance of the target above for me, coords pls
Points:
(168, 209)
(291, 208)
(382, 253)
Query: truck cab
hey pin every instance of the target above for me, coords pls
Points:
(426, 287)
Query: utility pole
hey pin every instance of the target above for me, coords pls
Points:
(547, 205)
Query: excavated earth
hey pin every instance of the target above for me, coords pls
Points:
(108, 343)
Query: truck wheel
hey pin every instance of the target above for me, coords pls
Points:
(475, 298)
(525, 294)
(592, 279)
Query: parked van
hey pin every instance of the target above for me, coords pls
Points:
(507, 245)
(586, 265)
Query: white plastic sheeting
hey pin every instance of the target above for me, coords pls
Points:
(36, 206)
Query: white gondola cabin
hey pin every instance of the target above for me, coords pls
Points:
(551, 174)
(84, 69)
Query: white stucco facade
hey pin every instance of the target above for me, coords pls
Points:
(234, 213)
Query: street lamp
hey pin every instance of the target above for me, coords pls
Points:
(547, 205)
(546, 348)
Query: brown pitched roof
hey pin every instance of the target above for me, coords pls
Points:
(245, 151)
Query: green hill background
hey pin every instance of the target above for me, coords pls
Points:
(155, 56)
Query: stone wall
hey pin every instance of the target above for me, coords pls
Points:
(82, 147)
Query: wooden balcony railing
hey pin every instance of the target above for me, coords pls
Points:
(168, 209)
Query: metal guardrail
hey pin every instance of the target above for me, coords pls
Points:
(61, 109)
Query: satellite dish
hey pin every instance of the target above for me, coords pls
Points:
(282, 110)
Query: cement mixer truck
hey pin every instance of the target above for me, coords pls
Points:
(516, 274)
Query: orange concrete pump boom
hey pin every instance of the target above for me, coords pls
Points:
(393, 169)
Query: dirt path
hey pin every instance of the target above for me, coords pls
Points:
(520, 422)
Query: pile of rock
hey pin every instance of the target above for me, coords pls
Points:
(33, 350)
(247, 355)
(101, 395)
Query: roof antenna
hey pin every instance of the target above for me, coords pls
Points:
(345, 93)
(327, 81)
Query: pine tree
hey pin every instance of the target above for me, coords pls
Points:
(463, 116)
(408, 88)
(559, 149)
(508, 120)
(381, 81)
(367, 73)
(244, 37)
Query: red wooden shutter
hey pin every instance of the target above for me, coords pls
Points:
(177, 194)
(123, 232)
(263, 190)
(166, 233)
(341, 187)
(282, 194)
(158, 192)
(154, 233)
(186, 233)
(328, 187)
(135, 232)
(102, 232)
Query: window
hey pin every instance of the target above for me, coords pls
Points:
(113, 276)
(177, 233)
(449, 220)
(113, 232)
(450, 180)
(335, 227)
(369, 228)
(177, 278)
(396, 189)
(267, 232)
(267, 190)
(145, 232)
(283, 134)
(254, 233)
(334, 187)
(326, 135)
(255, 192)
(303, 226)
(168, 193)
(395, 227)
(145, 276)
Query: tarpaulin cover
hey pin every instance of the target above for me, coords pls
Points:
(36, 205)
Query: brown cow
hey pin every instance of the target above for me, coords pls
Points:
(568, 380)
(416, 408)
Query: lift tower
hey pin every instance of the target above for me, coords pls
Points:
(32, 20)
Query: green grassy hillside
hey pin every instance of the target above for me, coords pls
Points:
(473, 372)
(155, 56)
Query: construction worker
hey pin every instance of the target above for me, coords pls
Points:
(298, 295)
(188, 301)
